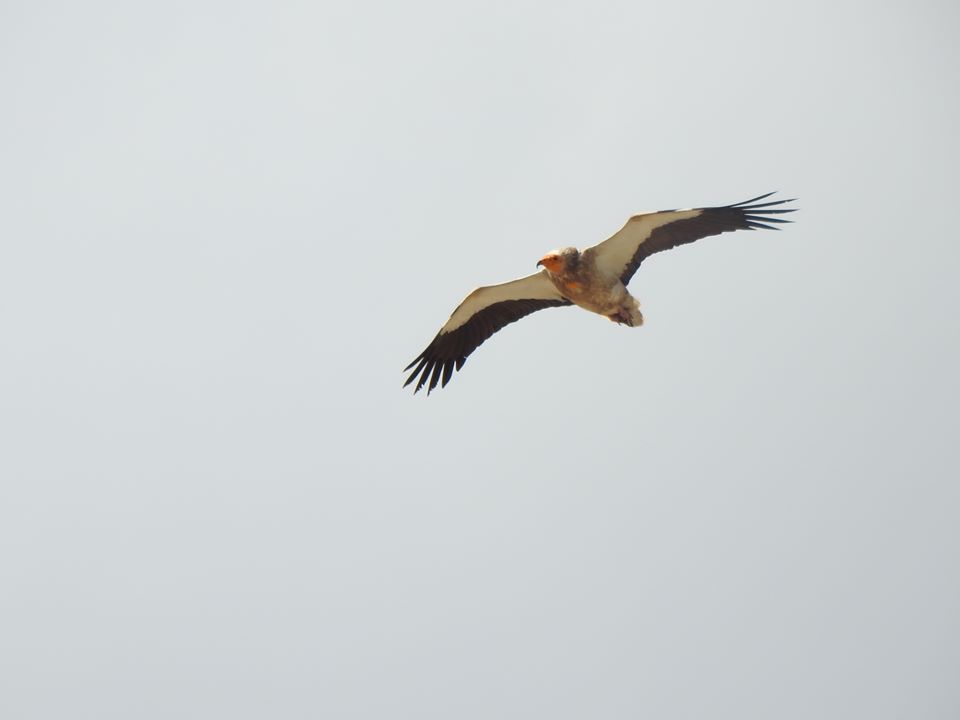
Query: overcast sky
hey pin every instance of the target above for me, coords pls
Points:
(227, 227)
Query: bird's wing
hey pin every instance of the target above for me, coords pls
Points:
(652, 232)
(480, 315)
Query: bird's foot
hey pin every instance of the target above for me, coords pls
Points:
(623, 316)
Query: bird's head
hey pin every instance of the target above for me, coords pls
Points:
(559, 260)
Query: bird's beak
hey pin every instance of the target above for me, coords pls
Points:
(551, 262)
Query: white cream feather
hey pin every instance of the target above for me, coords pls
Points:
(614, 254)
(531, 287)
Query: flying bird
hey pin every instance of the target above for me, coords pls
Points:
(595, 279)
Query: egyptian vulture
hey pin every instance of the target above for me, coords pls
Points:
(595, 279)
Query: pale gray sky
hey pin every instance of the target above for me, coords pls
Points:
(227, 227)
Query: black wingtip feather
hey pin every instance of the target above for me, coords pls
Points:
(758, 197)
(752, 214)
(764, 218)
(447, 373)
(435, 376)
(449, 350)
(752, 204)
(413, 375)
(417, 358)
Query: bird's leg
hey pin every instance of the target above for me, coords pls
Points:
(629, 315)
(621, 317)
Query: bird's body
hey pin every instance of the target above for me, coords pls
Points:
(594, 279)
(586, 283)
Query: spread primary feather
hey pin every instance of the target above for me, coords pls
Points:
(594, 279)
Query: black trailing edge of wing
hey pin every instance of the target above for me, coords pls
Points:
(747, 215)
(449, 351)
